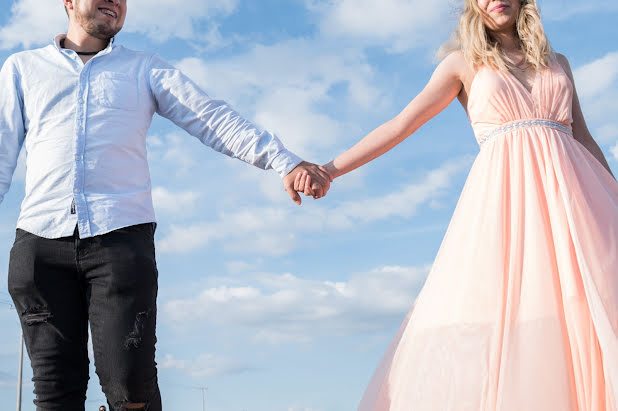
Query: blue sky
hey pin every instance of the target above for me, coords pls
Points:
(271, 306)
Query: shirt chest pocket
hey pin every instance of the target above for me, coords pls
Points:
(114, 90)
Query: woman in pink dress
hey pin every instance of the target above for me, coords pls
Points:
(520, 309)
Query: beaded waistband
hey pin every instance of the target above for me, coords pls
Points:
(522, 124)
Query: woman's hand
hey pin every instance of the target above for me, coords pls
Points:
(309, 178)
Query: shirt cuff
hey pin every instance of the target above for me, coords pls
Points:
(284, 162)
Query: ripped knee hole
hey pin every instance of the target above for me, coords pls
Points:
(134, 406)
(36, 315)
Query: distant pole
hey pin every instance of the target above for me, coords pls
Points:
(21, 365)
(203, 403)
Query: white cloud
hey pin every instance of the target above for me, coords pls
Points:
(402, 203)
(201, 234)
(184, 19)
(36, 22)
(173, 154)
(398, 25)
(284, 308)
(596, 77)
(204, 366)
(291, 112)
(32, 23)
(597, 86)
(615, 151)
(261, 229)
(302, 63)
(237, 267)
(287, 88)
(173, 202)
(564, 9)
(607, 133)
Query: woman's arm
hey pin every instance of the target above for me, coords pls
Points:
(445, 84)
(580, 129)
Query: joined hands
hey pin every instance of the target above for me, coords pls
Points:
(308, 178)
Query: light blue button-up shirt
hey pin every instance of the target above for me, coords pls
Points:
(84, 127)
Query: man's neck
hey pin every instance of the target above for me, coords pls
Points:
(80, 41)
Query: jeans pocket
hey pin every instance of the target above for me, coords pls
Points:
(21, 234)
(20, 279)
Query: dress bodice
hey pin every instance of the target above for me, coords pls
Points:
(497, 98)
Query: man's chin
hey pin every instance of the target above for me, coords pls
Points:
(104, 32)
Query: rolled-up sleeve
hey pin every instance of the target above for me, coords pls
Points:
(12, 130)
(214, 122)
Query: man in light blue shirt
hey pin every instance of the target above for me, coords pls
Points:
(84, 248)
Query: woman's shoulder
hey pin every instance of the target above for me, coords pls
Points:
(560, 58)
(455, 57)
(564, 63)
(456, 63)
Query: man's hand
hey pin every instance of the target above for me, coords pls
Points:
(308, 178)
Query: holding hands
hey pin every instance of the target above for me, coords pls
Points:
(308, 178)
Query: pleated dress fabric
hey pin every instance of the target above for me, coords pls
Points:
(520, 309)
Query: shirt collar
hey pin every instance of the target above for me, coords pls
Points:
(60, 37)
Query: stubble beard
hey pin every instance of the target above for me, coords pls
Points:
(101, 31)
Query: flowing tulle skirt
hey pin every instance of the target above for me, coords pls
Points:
(520, 309)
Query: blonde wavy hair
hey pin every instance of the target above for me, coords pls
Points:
(479, 48)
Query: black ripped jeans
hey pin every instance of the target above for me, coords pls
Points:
(60, 285)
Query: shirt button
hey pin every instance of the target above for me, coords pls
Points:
(78, 158)
(76, 190)
(80, 100)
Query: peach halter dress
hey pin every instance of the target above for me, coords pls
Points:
(520, 309)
